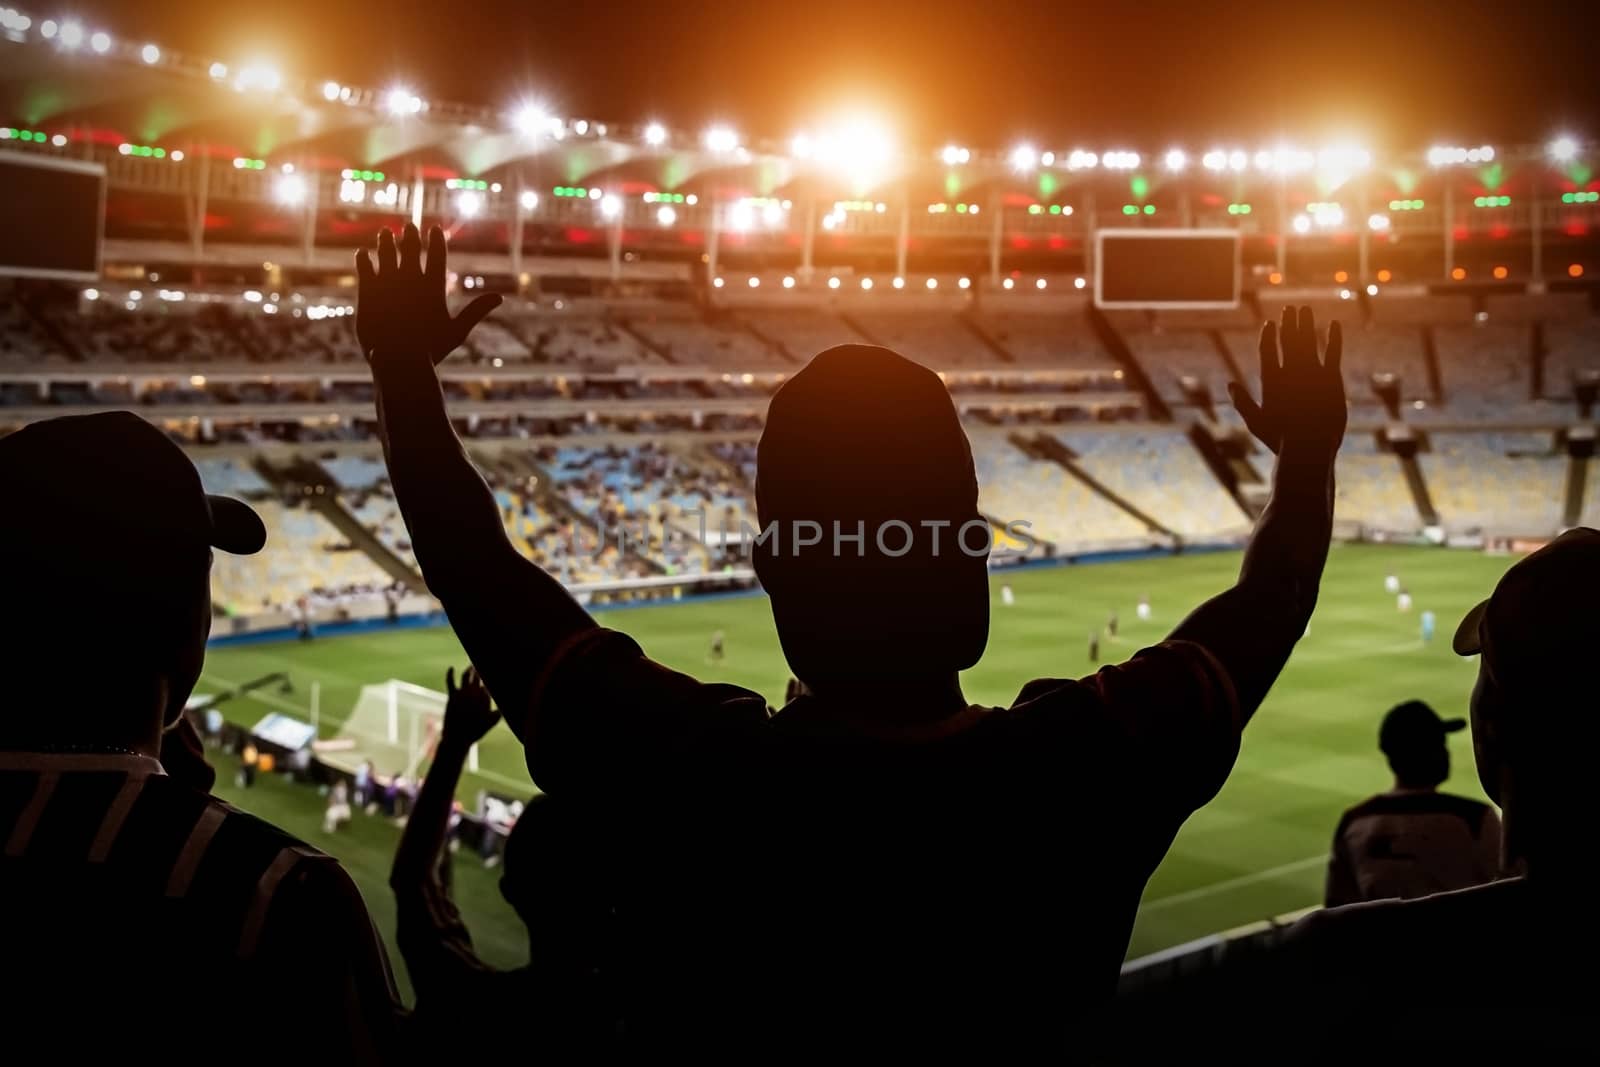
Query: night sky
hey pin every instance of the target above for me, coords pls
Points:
(985, 74)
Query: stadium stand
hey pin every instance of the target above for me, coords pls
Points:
(934, 338)
(1048, 340)
(1503, 482)
(1571, 345)
(1158, 471)
(578, 338)
(1370, 488)
(1486, 367)
(306, 558)
(1013, 486)
(802, 331)
(688, 338)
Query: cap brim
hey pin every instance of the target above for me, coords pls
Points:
(235, 526)
(1450, 726)
(1468, 641)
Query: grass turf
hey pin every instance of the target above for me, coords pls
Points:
(1255, 851)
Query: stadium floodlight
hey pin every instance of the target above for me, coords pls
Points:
(469, 204)
(610, 206)
(91, 294)
(1237, 160)
(1302, 224)
(580, 127)
(176, 155)
(330, 91)
(150, 54)
(954, 155)
(218, 71)
(1564, 149)
(655, 135)
(71, 34)
(259, 77)
(1079, 283)
(59, 140)
(1024, 158)
(963, 283)
(833, 282)
(1008, 284)
(788, 281)
(529, 199)
(1176, 160)
(899, 282)
(1120, 160)
(100, 41)
(721, 139)
(1079, 159)
(666, 215)
(772, 216)
(1447, 155)
(1040, 284)
(1372, 290)
(742, 217)
(1378, 223)
(933, 283)
(1216, 159)
(866, 284)
(800, 146)
(755, 283)
(401, 101)
(716, 283)
(290, 189)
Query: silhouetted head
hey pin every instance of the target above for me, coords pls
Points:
(875, 554)
(106, 539)
(1533, 724)
(1412, 736)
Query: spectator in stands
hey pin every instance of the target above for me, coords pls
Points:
(1528, 936)
(1413, 840)
(134, 907)
(1416, 973)
(452, 983)
(875, 864)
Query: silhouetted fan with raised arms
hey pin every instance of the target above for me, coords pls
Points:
(880, 865)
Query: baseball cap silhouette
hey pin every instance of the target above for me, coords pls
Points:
(1538, 624)
(1412, 726)
(104, 480)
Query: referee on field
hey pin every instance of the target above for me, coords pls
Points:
(140, 916)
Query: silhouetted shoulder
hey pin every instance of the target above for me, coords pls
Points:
(601, 708)
(1471, 812)
(1171, 711)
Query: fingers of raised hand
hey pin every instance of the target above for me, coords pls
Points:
(450, 680)
(1334, 356)
(411, 250)
(436, 255)
(388, 254)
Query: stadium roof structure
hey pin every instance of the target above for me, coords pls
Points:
(57, 75)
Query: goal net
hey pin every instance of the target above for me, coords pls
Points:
(395, 725)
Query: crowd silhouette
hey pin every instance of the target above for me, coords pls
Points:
(877, 867)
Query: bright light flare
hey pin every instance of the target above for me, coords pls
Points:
(529, 199)
(401, 101)
(71, 34)
(655, 135)
(290, 190)
(1175, 160)
(1024, 158)
(100, 41)
(1564, 149)
(1120, 160)
(469, 204)
(610, 206)
(330, 91)
(954, 155)
(666, 215)
(721, 139)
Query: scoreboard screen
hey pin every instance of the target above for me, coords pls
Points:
(1166, 269)
(51, 212)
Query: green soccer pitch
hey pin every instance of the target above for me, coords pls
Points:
(1255, 851)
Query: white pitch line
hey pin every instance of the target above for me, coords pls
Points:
(1214, 888)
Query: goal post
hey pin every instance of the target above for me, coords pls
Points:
(395, 725)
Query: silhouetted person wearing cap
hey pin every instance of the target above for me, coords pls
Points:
(136, 909)
(881, 865)
(1413, 840)
(1501, 972)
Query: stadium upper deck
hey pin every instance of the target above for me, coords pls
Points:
(249, 170)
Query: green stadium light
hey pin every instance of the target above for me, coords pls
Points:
(1149, 209)
(1130, 209)
(1055, 209)
(1580, 198)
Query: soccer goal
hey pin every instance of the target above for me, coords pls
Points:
(395, 725)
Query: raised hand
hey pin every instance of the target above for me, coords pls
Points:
(401, 308)
(468, 713)
(1302, 397)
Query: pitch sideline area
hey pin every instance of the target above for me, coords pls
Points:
(1255, 851)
